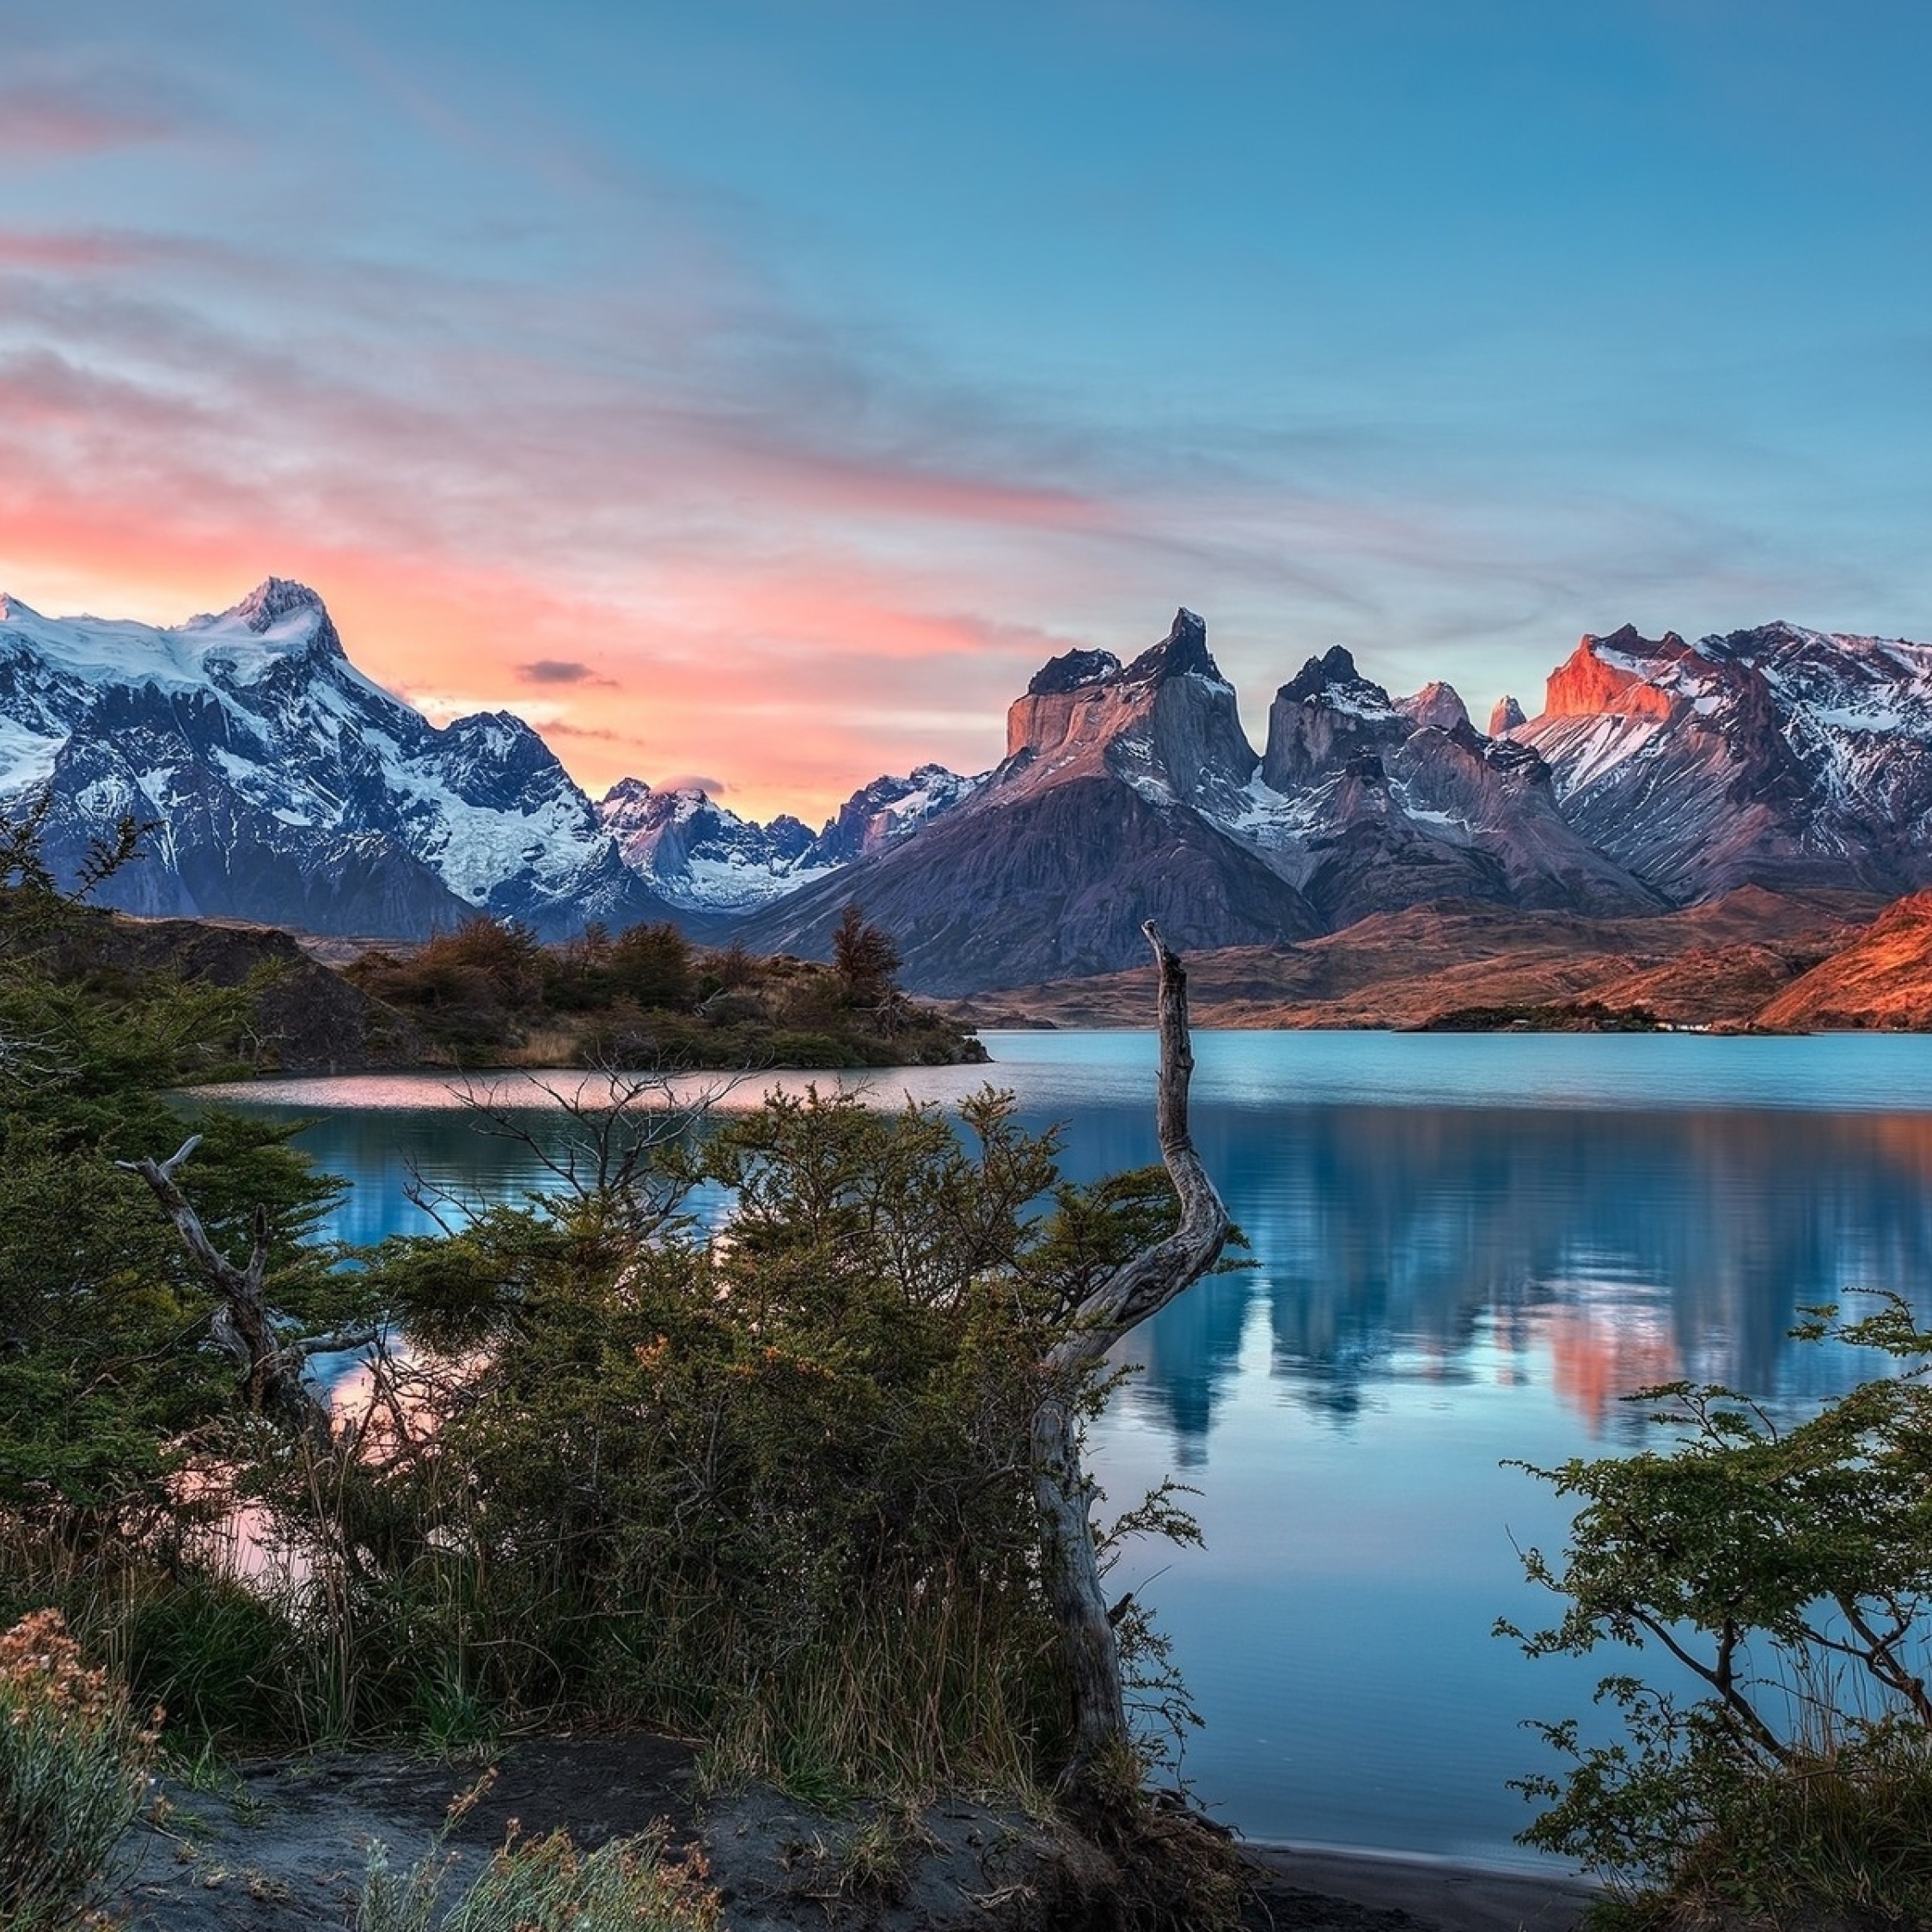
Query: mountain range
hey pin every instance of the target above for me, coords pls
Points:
(286, 787)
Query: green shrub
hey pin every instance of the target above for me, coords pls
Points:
(775, 1491)
(73, 1768)
(789, 1048)
(1788, 1572)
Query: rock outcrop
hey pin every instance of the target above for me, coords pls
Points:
(305, 1018)
(1108, 809)
(1787, 758)
(1367, 803)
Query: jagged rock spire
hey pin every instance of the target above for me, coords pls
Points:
(275, 598)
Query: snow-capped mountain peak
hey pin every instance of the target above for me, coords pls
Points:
(1776, 754)
(286, 786)
(702, 856)
(275, 598)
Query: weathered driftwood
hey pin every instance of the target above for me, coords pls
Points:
(270, 1366)
(1137, 1289)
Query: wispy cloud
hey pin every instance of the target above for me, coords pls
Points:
(65, 253)
(561, 670)
(800, 569)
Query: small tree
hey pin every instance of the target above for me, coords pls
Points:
(654, 965)
(1788, 1571)
(864, 958)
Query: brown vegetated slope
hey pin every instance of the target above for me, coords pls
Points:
(1882, 979)
(306, 1017)
(1714, 965)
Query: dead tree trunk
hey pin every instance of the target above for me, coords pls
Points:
(1061, 1489)
(270, 1366)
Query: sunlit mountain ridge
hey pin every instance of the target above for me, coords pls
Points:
(284, 786)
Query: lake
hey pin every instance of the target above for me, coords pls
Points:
(1465, 1249)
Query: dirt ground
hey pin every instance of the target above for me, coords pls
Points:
(282, 1846)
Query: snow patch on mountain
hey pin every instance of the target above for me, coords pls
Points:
(701, 856)
(26, 758)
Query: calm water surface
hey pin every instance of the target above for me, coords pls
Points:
(1465, 1249)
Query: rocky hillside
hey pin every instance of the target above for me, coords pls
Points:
(1882, 979)
(306, 1018)
(1721, 964)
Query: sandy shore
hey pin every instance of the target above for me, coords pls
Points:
(1436, 1892)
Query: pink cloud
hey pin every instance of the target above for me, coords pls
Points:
(67, 254)
(689, 495)
(36, 124)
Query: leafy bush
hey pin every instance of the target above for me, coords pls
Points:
(1789, 1571)
(73, 1767)
(776, 1489)
(104, 1375)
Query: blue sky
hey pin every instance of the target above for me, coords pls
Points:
(761, 392)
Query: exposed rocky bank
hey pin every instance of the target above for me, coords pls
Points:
(281, 1846)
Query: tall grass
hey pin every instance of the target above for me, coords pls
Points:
(928, 1682)
(545, 1884)
(920, 1691)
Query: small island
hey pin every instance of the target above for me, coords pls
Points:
(488, 994)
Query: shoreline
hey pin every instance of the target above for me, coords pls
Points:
(1450, 1894)
(280, 1844)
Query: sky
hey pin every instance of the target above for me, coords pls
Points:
(756, 395)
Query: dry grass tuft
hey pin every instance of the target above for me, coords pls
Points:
(73, 1771)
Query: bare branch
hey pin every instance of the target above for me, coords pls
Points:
(1138, 1288)
(343, 1342)
(616, 1126)
(269, 1369)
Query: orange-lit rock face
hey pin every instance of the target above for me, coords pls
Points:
(1043, 723)
(1168, 719)
(1882, 979)
(1584, 685)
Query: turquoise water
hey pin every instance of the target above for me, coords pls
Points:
(1465, 1249)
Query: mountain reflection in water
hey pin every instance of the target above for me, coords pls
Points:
(1624, 1248)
